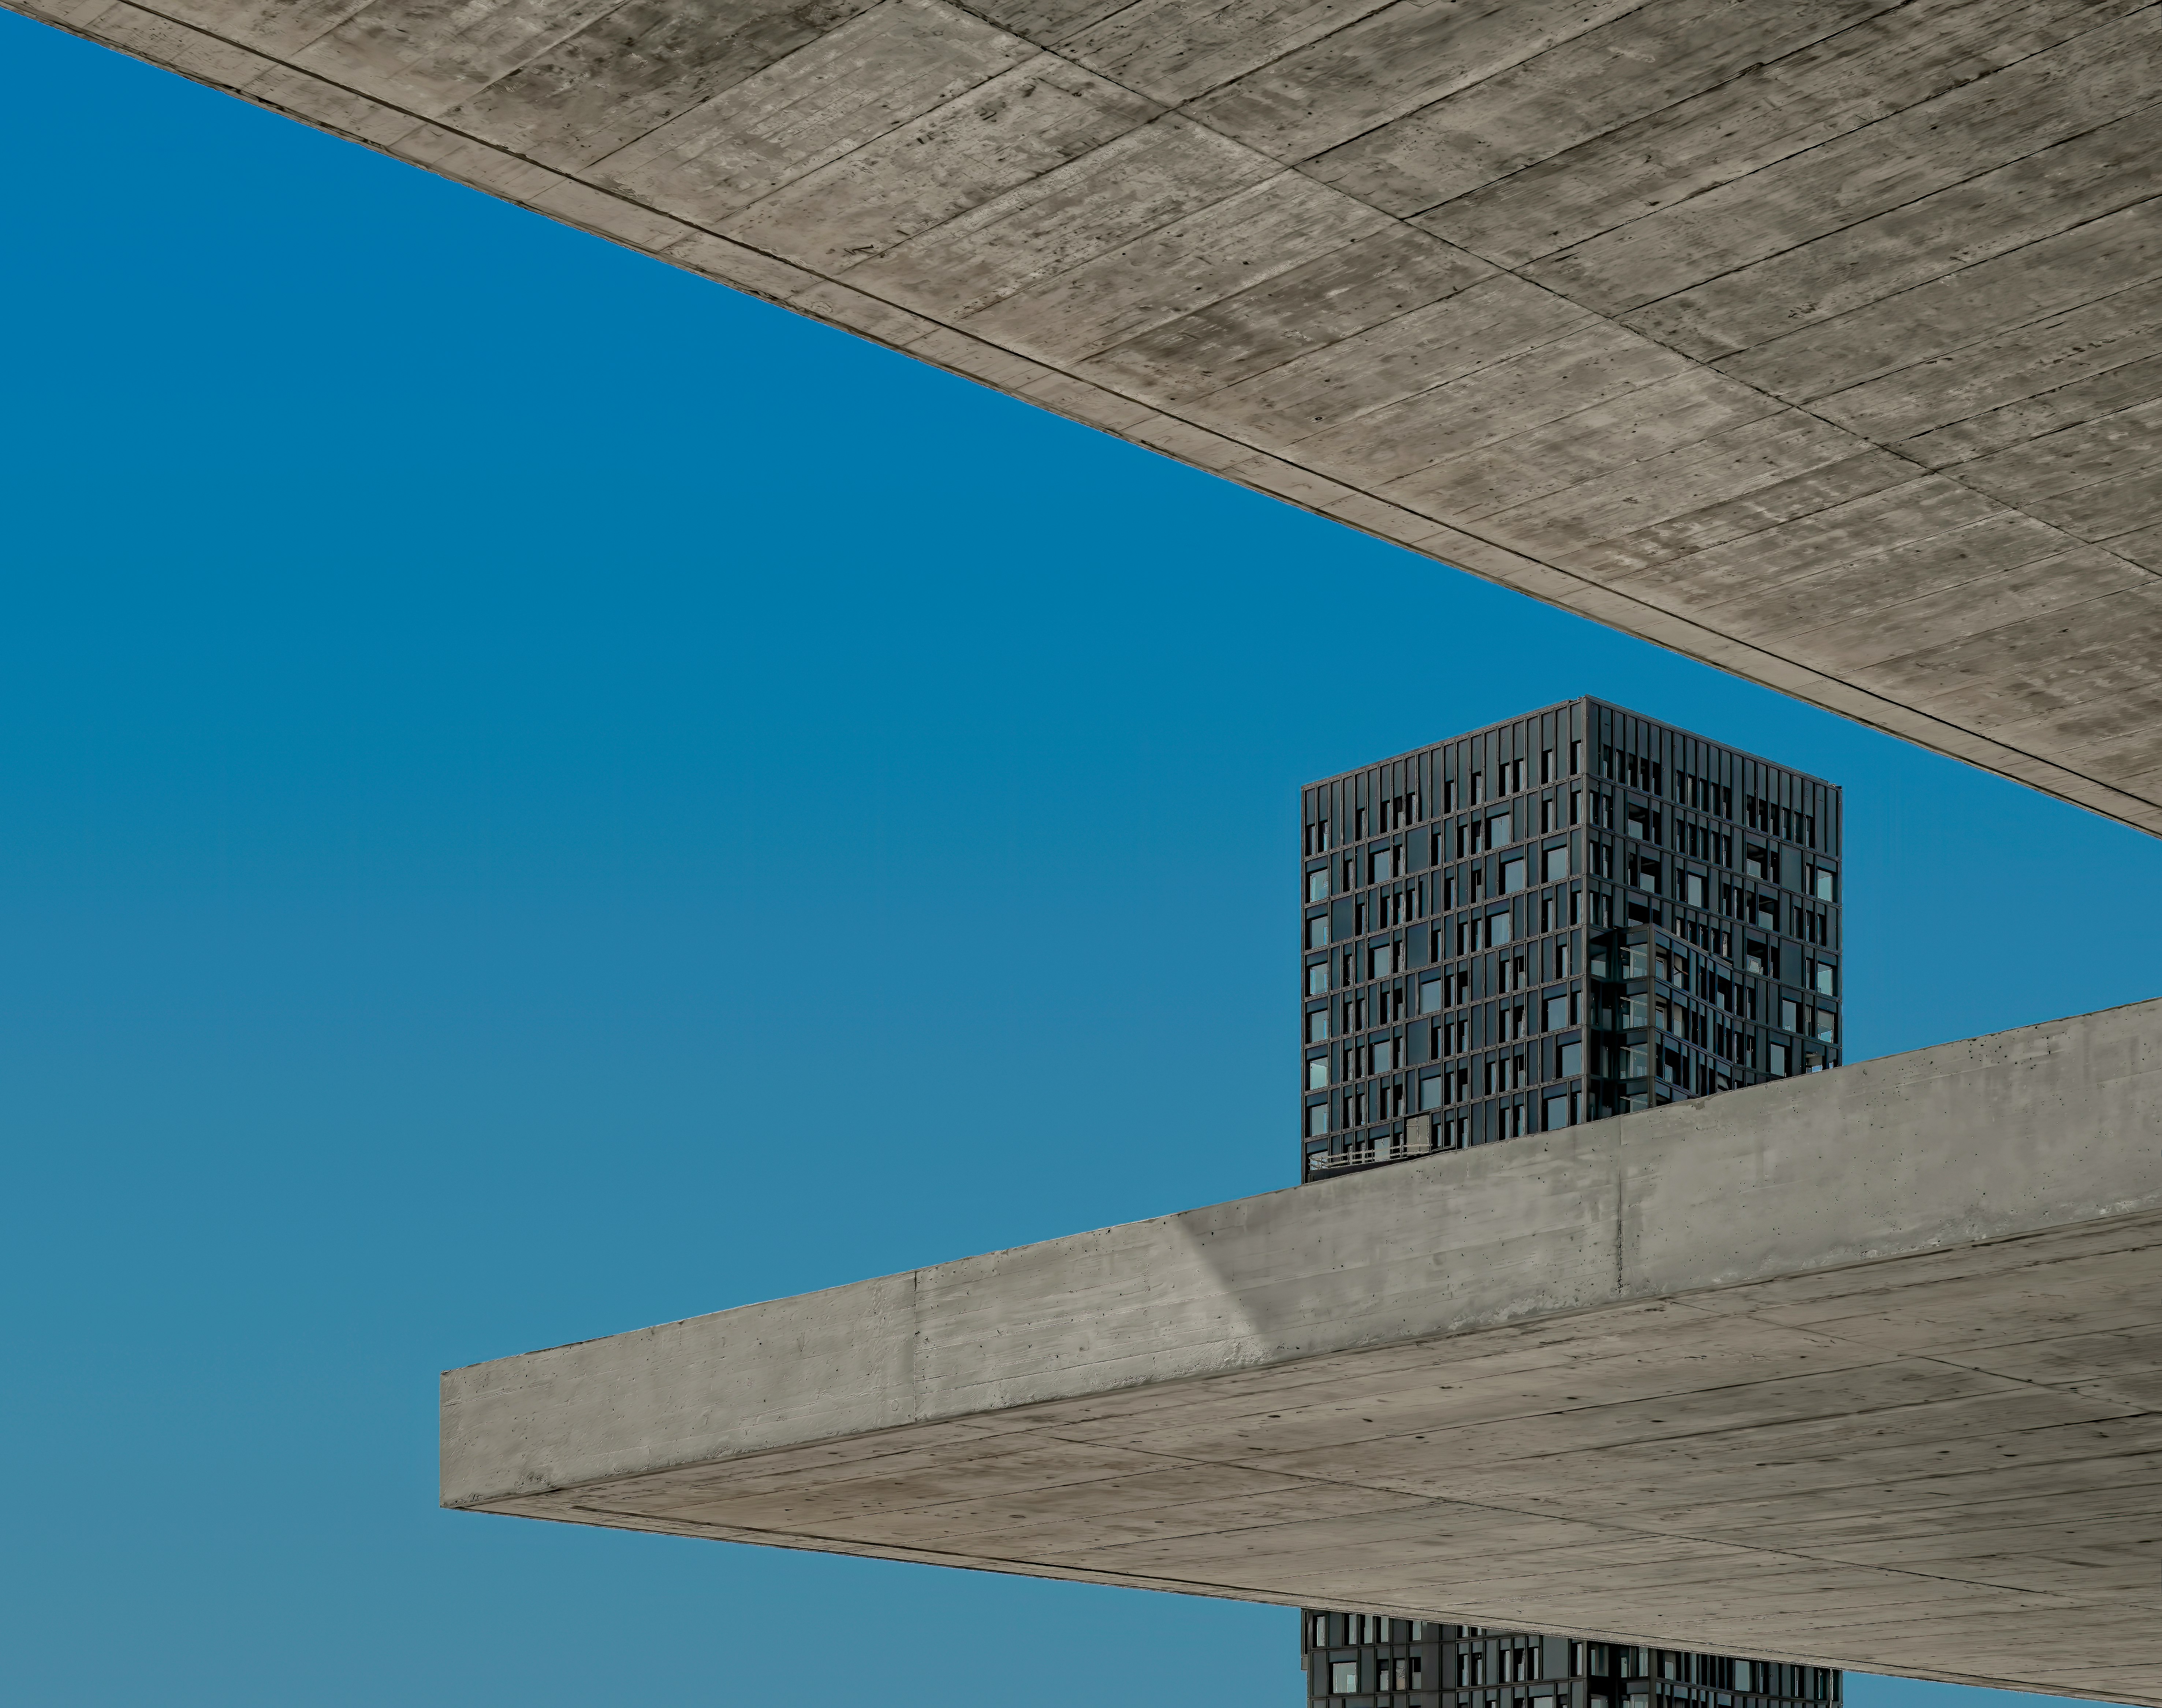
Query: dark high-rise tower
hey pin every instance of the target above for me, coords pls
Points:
(1571, 915)
(1357, 1660)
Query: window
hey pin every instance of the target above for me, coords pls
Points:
(1317, 1025)
(1546, 764)
(1560, 1010)
(1317, 1073)
(1497, 927)
(1383, 959)
(1316, 1119)
(1343, 1675)
(1317, 883)
(1381, 865)
(1557, 862)
(1647, 876)
(1317, 979)
(1512, 875)
(1497, 830)
(1430, 996)
(1758, 862)
(1776, 1059)
(1381, 1056)
(1827, 979)
(1430, 1094)
(1568, 1060)
(1827, 1026)
(1757, 958)
(1823, 884)
(1317, 932)
(1790, 1015)
(1693, 889)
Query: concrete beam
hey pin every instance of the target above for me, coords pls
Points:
(1863, 1369)
(1820, 341)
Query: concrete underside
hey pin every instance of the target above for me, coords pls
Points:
(1863, 1369)
(1816, 339)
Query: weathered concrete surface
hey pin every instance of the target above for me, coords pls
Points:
(1863, 1369)
(1817, 340)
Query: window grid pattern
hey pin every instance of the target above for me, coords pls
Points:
(1569, 915)
(1360, 1660)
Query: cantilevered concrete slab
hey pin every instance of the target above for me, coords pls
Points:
(1819, 339)
(1863, 1369)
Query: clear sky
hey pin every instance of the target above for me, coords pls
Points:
(539, 796)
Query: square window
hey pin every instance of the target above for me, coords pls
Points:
(1497, 927)
(1430, 1091)
(1317, 1025)
(1317, 1073)
(1827, 978)
(1430, 996)
(1560, 1011)
(1776, 1059)
(1568, 1060)
(1317, 932)
(1317, 883)
(1825, 883)
(1693, 889)
(1561, 1110)
(1317, 979)
(1647, 876)
(1382, 959)
(1343, 1675)
(1557, 863)
(1381, 865)
(1316, 1119)
(1512, 875)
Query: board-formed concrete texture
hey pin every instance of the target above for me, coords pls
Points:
(1820, 340)
(1862, 1369)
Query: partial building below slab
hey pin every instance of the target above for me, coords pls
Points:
(1859, 1369)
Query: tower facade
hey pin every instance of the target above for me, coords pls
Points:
(1357, 1660)
(1568, 915)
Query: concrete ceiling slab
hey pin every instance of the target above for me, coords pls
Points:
(1821, 342)
(1863, 1369)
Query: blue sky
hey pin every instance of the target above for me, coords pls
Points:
(541, 796)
